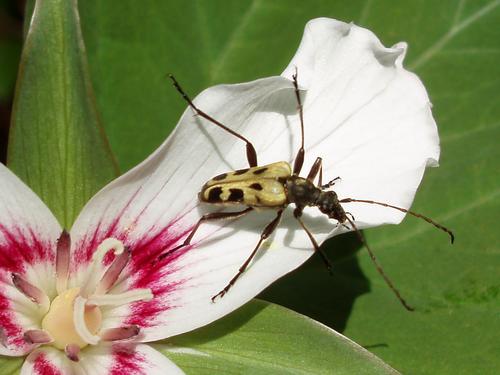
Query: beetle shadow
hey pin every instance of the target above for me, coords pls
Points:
(312, 291)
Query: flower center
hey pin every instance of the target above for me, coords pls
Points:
(59, 322)
(73, 319)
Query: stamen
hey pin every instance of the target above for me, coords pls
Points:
(120, 333)
(37, 336)
(121, 298)
(79, 322)
(95, 269)
(62, 261)
(72, 351)
(112, 273)
(29, 290)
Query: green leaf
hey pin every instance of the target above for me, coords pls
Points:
(263, 338)
(57, 145)
(453, 47)
(10, 365)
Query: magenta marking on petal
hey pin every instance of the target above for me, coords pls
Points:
(153, 276)
(87, 245)
(16, 249)
(127, 360)
(12, 330)
(43, 366)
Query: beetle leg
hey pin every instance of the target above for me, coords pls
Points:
(206, 217)
(268, 230)
(298, 213)
(316, 168)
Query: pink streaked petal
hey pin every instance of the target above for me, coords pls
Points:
(118, 359)
(184, 283)
(28, 234)
(18, 314)
(49, 361)
(28, 230)
(141, 359)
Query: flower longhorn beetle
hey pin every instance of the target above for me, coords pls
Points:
(275, 186)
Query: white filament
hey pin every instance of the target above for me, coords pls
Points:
(79, 321)
(96, 269)
(121, 298)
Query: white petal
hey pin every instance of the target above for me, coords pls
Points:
(126, 359)
(28, 232)
(48, 360)
(367, 116)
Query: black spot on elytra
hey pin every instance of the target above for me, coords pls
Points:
(236, 195)
(220, 177)
(260, 171)
(214, 194)
(240, 171)
(256, 186)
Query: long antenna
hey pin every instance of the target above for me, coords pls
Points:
(420, 216)
(251, 154)
(299, 158)
(379, 267)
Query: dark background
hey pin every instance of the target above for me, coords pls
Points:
(11, 26)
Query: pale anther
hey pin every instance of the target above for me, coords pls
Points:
(62, 261)
(72, 351)
(111, 275)
(37, 336)
(120, 333)
(29, 290)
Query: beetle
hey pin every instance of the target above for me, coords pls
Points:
(275, 186)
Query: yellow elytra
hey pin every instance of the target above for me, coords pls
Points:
(261, 186)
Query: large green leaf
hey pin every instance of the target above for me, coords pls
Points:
(454, 48)
(57, 145)
(263, 338)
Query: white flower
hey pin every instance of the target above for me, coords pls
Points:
(85, 309)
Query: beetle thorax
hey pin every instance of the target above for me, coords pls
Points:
(304, 193)
(301, 191)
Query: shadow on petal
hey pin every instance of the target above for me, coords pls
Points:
(311, 291)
